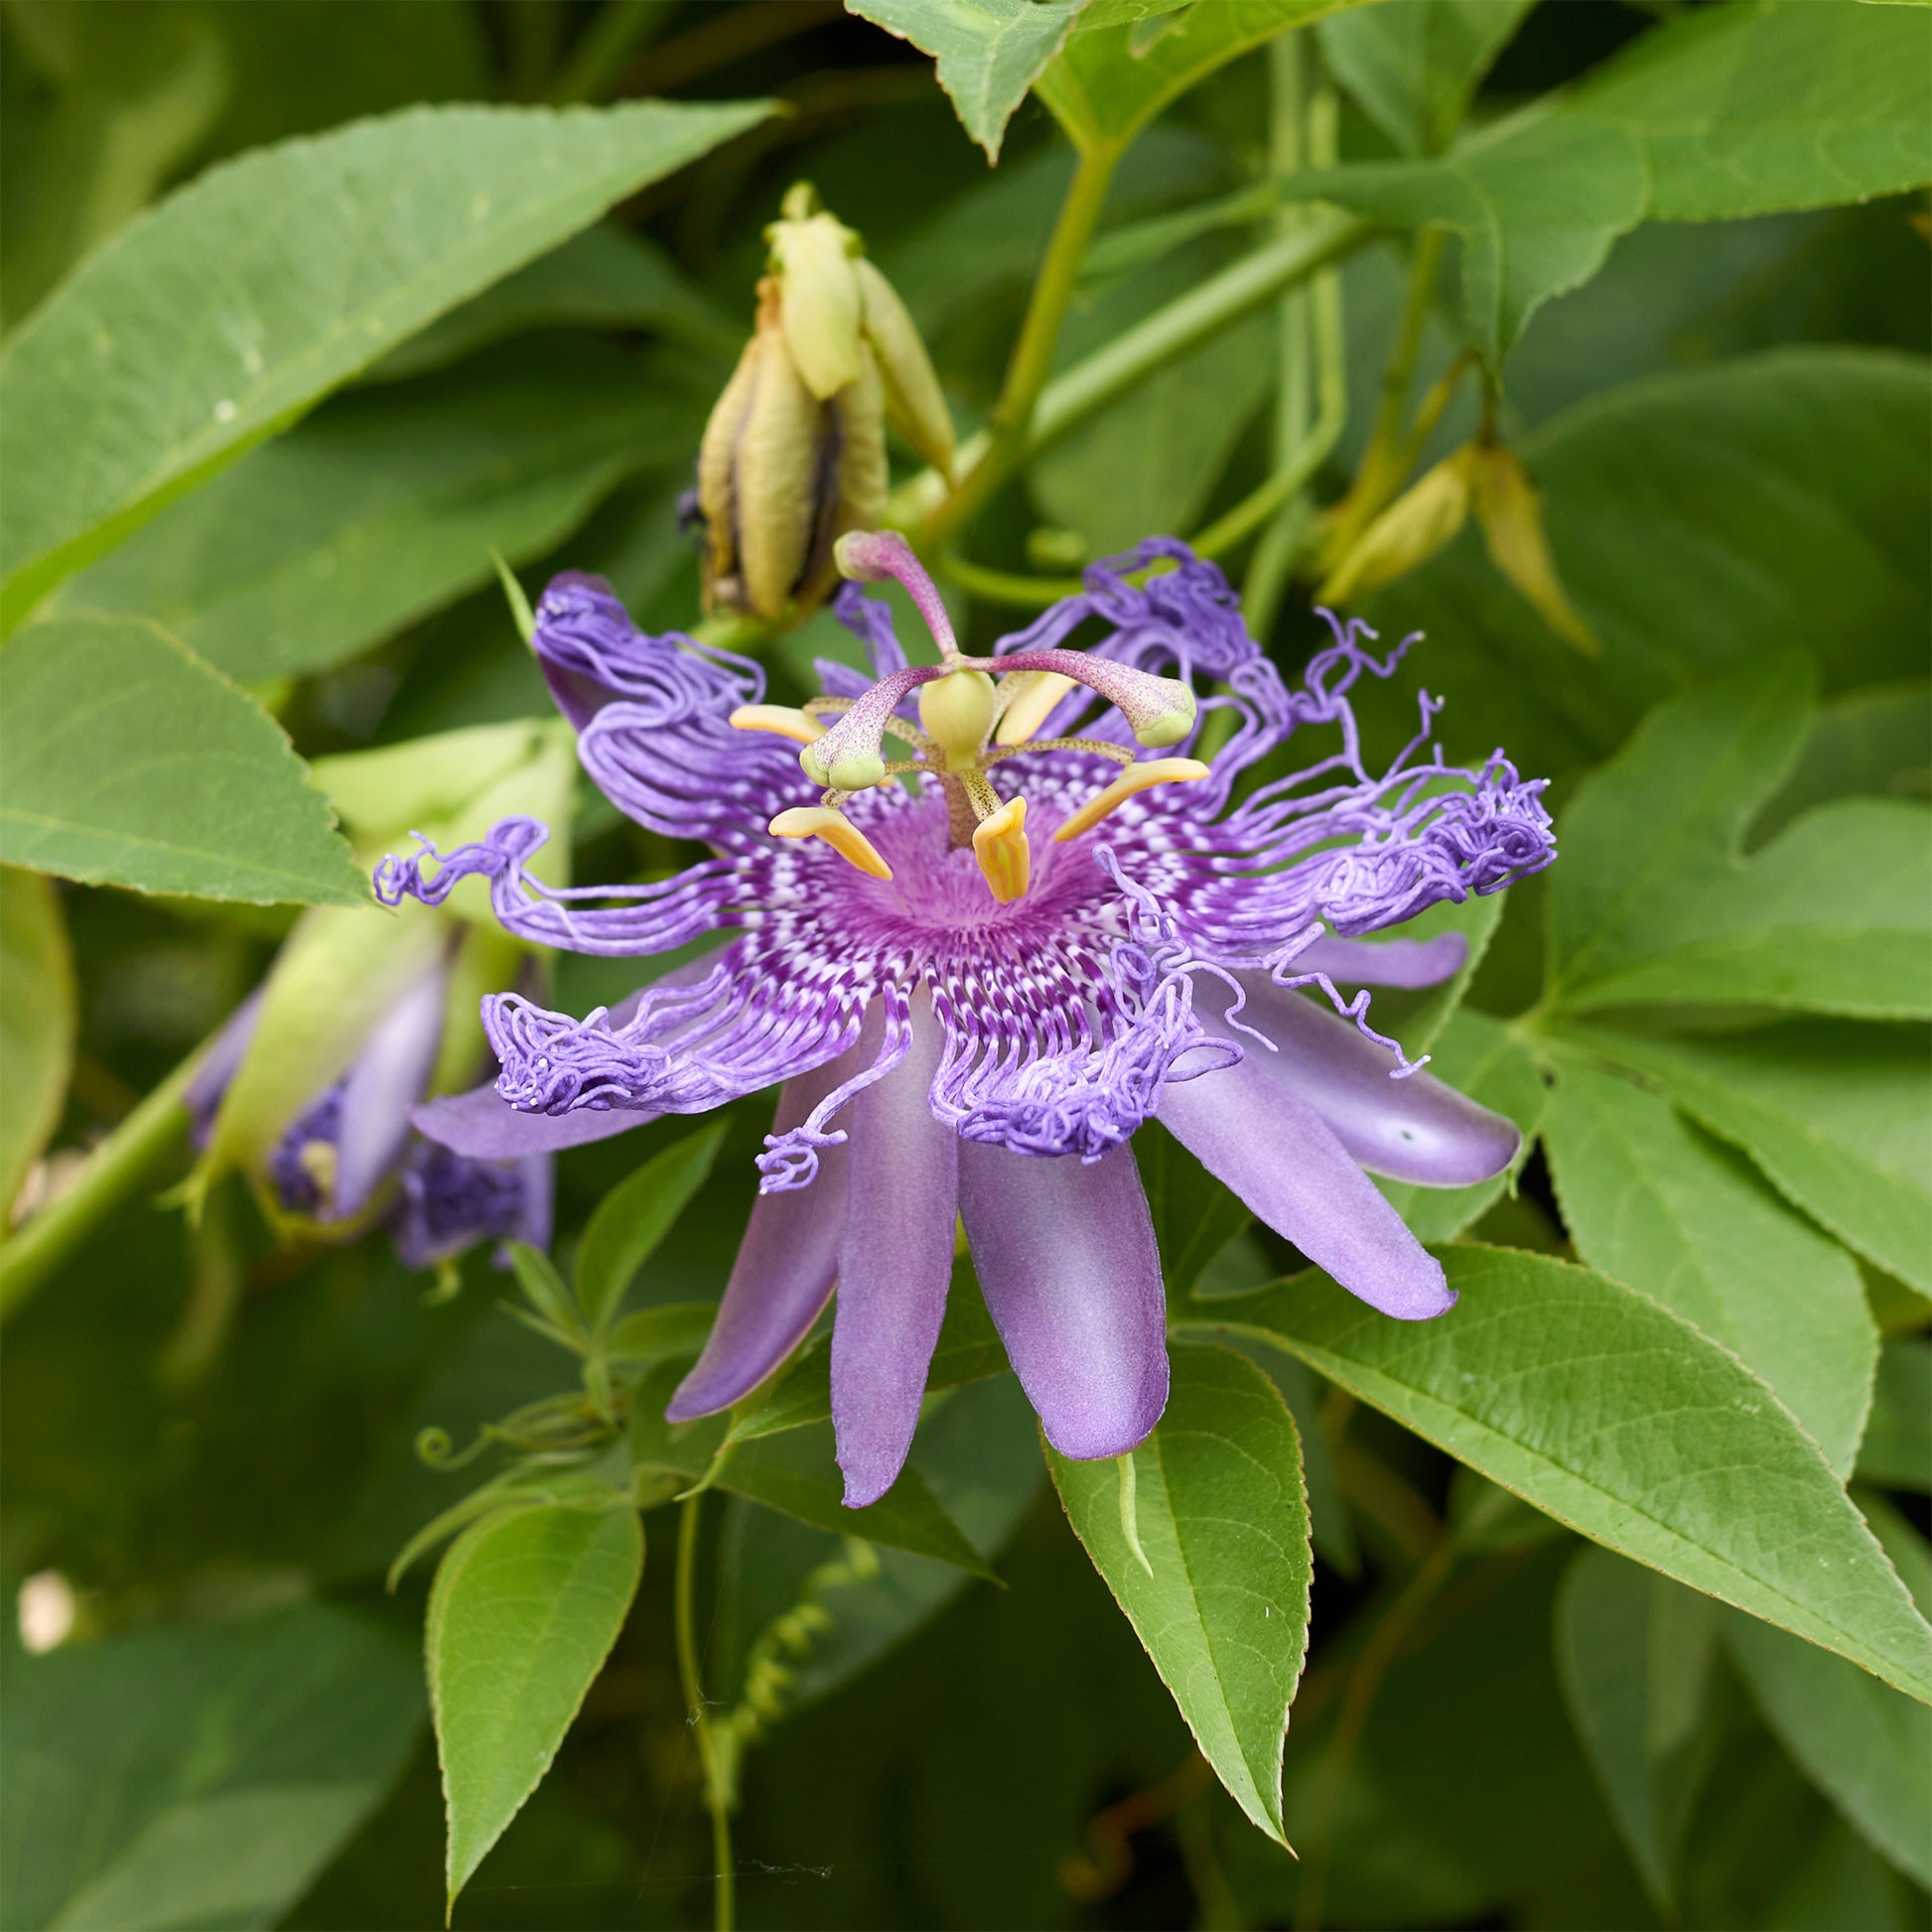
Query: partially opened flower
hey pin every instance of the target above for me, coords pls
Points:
(350, 1157)
(979, 964)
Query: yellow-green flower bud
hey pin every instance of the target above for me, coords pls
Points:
(822, 305)
(1511, 515)
(916, 405)
(1420, 523)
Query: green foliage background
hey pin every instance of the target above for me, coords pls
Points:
(316, 312)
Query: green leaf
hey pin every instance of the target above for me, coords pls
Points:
(792, 1470)
(1740, 109)
(1616, 1416)
(671, 1331)
(1838, 1116)
(1485, 1059)
(1771, 104)
(607, 277)
(210, 322)
(1779, 503)
(635, 1217)
(196, 1775)
(1221, 1600)
(543, 1288)
(1866, 1747)
(1873, 743)
(1896, 1451)
(1537, 201)
(1414, 64)
(1109, 81)
(125, 760)
(1195, 1216)
(38, 1015)
(1657, 902)
(1649, 1200)
(988, 52)
(385, 505)
(1634, 1652)
(524, 1610)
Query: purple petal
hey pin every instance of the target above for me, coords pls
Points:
(535, 1218)
(385, 1081)
(1266, 1143)
(205, 1093)
(1414, 1128)
(488, 1128)
(893, 1267)
(1066, 1257)
(785, 1270)
(1406, 963)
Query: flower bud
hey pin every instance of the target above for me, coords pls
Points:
(794, 452)
(1421, 521)
(1511, 515)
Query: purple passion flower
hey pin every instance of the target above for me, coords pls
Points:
(977, 965)
(335, 1162)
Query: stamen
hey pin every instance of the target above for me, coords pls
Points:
(838, 831)
(1033, 696)
(1000, 845)
(1136, 777)
(781, 718)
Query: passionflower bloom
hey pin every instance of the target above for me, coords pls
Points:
(978, 965)
(350, 1157)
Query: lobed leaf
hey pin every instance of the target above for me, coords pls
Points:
(1618, 1417)
(125, 760)
(1649, 1200)
(208, 324)
(1838, 1116)
(1208, 1554)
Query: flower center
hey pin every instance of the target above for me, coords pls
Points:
(974, 713)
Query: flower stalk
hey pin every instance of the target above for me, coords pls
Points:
(711, 1746)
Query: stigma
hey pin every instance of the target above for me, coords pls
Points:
(973, 714)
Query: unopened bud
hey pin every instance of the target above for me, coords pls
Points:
(794, 452)
(1511, 515)
(1421, 521)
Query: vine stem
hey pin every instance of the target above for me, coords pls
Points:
(1033, 353)
(108, 1175)
(724, 1903)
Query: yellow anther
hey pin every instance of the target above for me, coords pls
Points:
(1000, 845)
(317, 1160)
(956, 712)
(838, 831)
(799, 726)
(1038, 694)
(1136, 777)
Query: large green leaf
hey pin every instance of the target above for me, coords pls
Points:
(1485, 1059)
(633, 1217)
(1414, 64)
(1206, 1546)
(1768, 105)
(607, 277)
(988, 52)
(125, 760)
(197, 1776)
(39, 1010)
(1837, 1115)
(1657, 902)
(1112, 79)
(1866, 1747)
(525, 1608)
(1634, 1652)
(1649, 1200)
(1618, 1417)
(1778, 502)
(1739, 109)
(208, 324)
(385, 505)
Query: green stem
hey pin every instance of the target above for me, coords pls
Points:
(1382, 466)
(1033, 353)
(717, 1798)
(108, 1175)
